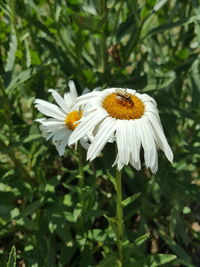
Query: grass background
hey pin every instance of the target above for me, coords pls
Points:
(152, 46)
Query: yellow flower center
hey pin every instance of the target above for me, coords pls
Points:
(124, 106)
(72, 117)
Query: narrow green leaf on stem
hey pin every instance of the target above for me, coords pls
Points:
(140, 240)
(130, 199)
(12, 258)
(112, 179)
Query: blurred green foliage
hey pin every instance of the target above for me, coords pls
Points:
(152, 46)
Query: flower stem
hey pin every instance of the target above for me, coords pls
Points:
(119, 214)
(80, 166)
(81, 182)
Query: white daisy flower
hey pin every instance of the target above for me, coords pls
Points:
(62, 117)
(127, 117)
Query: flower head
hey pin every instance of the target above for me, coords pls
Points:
(127, 117)
(62, 117)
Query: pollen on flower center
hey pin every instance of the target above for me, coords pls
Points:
(123, 106)
(72, 117)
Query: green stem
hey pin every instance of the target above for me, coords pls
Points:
(119, 211)
(80, 166)
(81, 181)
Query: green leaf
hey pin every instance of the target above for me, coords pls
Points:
(112, 222)
(186, 210)
(125, 28)
(159, 5)
(179, 262)
(130, 199)
(95, 213)
(89, 22)
(171, 25)
(12, 258)
(132, 248)
(76, 214)
(154, 260)
(23, 76)
(6, 8)
(32, 138)
(112, 179)
(109, 261)
(28, 54)
(30, 209)
(179, 250)
(195, 83)
(140, 240)
(158, 82)
(11, 52)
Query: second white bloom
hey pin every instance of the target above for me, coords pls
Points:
(61, 117)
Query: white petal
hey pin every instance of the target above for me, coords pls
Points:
(52, 127)
(122, 139)
(69, 99)
(147, 141)
(73, 91)
(154, 167)
(60, 134)
(85, 143)
(63, 144)
(146, 98)
(60, 101)
(49, 109)
(160, 138)
(135, 164)
(85, 99)
(108, 91)
(60, 145)
(154, 157)
(116, 160)
(86, 91)
(45, 134)
(131, 91)
(108, 127)
(150, 108)
(49, 122)
(135, 141)
(86, 125)
(120, 165)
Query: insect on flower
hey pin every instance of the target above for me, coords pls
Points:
(123, 95)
